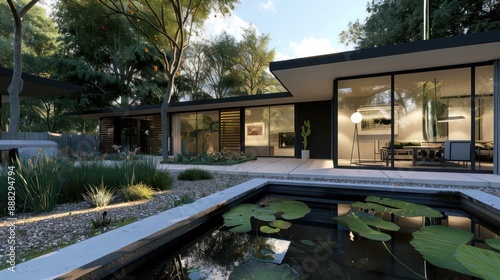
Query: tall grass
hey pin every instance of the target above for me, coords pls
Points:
(38, 185)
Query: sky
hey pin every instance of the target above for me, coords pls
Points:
(297, 28)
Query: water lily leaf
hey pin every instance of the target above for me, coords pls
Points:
(493, 243)
(372, 206)
(280, 224)
(290, 209)
(308, 242)
(238, 218)
(268, 229)
(359, 223)
(405, 209)
(266, 251)
(437, 244)
(482, 262)
(256, 270)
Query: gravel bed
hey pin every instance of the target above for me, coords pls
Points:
(71, 223)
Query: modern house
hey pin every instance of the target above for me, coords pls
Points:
(422, 105)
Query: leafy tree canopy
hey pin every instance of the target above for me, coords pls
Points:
(395, 21)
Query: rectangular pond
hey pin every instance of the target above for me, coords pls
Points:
(191, 237)
(313, 247)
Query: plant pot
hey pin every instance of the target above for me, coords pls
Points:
(305, 154)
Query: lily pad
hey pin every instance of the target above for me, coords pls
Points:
(482, 262)
(263, 271)
(437, 244)
(268, 229)
(308, 242)
(280, 224)
(493, 243)
(290, 209)
(238, 218)
(405, 209)
(360, 223)
(266, 251)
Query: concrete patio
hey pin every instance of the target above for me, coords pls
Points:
(289, 168)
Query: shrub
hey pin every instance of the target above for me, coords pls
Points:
(185, 199)
(98, 196)
(38, 185)
(194, 174)
(137, 192)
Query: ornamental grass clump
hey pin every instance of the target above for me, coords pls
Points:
(38, 185)
(138, 191)
(98, 196)
(194, 174)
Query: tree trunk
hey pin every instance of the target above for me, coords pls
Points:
(16, 84)
(164, 119)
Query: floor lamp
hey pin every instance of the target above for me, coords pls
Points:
(356, 118)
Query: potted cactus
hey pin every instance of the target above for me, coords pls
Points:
(306, 131)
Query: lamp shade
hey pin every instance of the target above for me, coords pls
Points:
(356, 117)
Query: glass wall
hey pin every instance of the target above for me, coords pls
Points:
(199, 132)
(437, 121)
(360, 143)
(269, 131)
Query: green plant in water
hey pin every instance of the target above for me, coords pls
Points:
(238, 218)
(441, 246)
(306, 131)
(98, 196)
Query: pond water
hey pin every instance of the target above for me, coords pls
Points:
(314, 247)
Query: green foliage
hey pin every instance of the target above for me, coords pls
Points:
(226, 157)
(185, 199)
(137, 192)
(195, 174)
(38, 185)
(238, 218)
(306, 131)
(391, 22)
(98, 196)
(101, 220)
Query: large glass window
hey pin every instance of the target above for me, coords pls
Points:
(437, 121)
(269, 131)
(433, 107)
(200, 132)
(360, 142)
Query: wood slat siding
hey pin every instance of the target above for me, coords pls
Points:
(230, 130)
(106, 135)
(156, 125)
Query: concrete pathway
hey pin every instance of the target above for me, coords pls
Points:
(323, 169)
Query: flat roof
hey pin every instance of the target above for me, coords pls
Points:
(311, 78)
(35, 87)
(190, 106)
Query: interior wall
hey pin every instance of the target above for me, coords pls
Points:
(319, 115)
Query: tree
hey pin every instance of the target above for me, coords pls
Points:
(193, 76)
(390, 21)
(253, 62)
(172, 23)
(220, 57)
(16, 84)
(122, 67)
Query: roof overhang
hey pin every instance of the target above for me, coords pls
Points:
(311, 78)
(191, 106)
(35, 87)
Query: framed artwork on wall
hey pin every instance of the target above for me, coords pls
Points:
(377, 120)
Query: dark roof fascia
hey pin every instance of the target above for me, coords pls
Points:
(42, 81)
(391, 50)
(116, 110)
(187, 104)
(231, 99)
